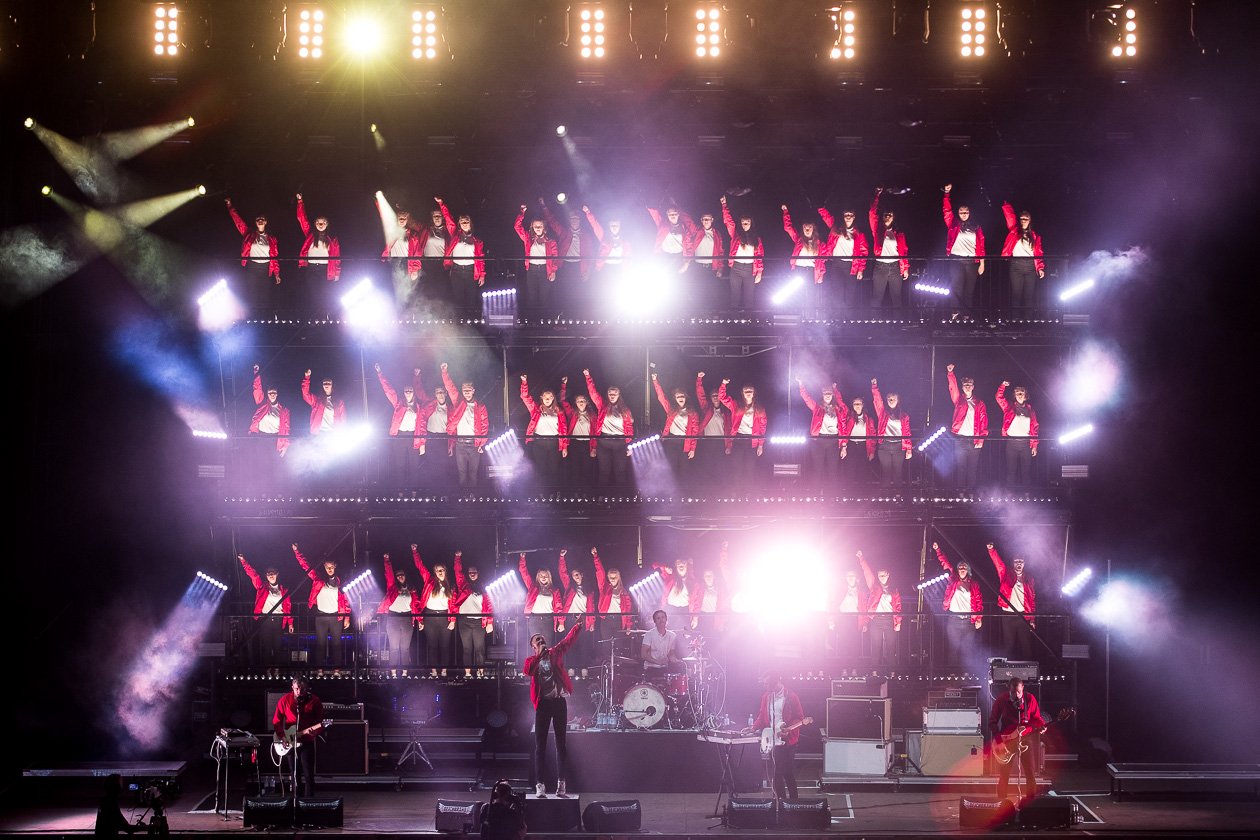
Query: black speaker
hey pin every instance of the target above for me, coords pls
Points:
(456, 815)
(613, 816)
(341, 749)
(812, 813)
(749, 813)
(984, 813)
(1049, 812)
(320, 812)
(553, 814)
(268, 812)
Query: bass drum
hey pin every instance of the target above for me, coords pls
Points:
(643, 706)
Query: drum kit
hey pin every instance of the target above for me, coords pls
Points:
(640, 695)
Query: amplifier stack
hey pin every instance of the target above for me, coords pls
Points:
(858, 737)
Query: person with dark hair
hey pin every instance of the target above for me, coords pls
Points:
(1020, 428)
(549, 685)
(712, 447)
(712, 594)
(466, 262)
(579, 605)
(616, 608)
(581, 417)
(826, 421)
(660, 646)
(541, 264)
(675, 597)
(110, 821)
(848, 249)
(273, 610)
(547, 435)
(328, 411)
(614, 426)
(503, 818)
(298, 719)
(404, 426)
(259, 256)
(781, 713)
(1017, 597)
(888, 245)
(476, 614)
(808, 251)
(883, 613)
(435, 239)
(614, 249)
(970, 426)
(544, 601)
(320, 250)
(848, 620)
(404, 246)
(965, 241)
(858, 443)
(431, 426)
(331, 607)
(675, 231)
(1026, 267)
(271, 420)
(399, 611)
(682, 428)
(1017, 713)
(893, 432)
(437, 614)
(964, 608)
(576, 251)
(746, 435)
(706, 249)
(746, 259)
(467, 428)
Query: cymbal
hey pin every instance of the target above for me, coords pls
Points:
(627, 659)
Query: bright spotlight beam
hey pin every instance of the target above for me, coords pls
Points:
(1076, 289)
(1073, 587)
(124, 145)
(785, 292)
(1074, 434)
(364, 37)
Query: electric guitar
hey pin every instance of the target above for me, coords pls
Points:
(292, 737)
(767, 734)
(1006, 747)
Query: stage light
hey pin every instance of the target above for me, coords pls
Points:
(941, 578)
(212, 435)
(843, 19)
(972, 28)
(561, 131)
(425, 25)
(639, 444)
(166, 29)
(788, 440)
(1076, 289)
(786, 291)
(592, 35)
(363, 36)
(45, 190)
(709, 30)
(29, 122)
(931, 439)
(1076, 434)
(310, 31)
(942, 291)
(561, 198)
(368, 311)
(1074, 586)
(362, 578)
(1124, 18)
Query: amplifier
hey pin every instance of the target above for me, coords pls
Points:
(963, 697)
(1001, 670)
(952, 755)
(854, 757)
(343, 711)
(342, 749)
(859, 687)
(859, 717)
(956, 721)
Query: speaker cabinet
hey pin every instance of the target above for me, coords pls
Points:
(984, 813)
(1049, 812)
(859, 717)
(343, 749)
(952, 755)
(613, 817)
(853, 757)
(267, 812)
(749, 813)
(552, 814)
(457, 816)
(320, 812)
(806, 813)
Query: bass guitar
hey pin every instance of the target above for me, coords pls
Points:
(1013, 743)
(293, 738)
(768, 736)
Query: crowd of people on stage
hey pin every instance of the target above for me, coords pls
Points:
(711, 434)
(569, 258)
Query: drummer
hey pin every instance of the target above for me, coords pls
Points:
(660, 647)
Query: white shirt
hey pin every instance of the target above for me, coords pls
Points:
(269, 424)
(401, 604)
(537, 249)
(678, 597)
(542, 604)
(709, 602)
(859, 429)
(843, 247)
(437, 420)
(579, 603)
(679, 425)
(548, 425)
(329, 419)
(398, 248)
(318, 254)
(746, 421)
(437, 601)
(716, 427)
(270, 604)
(672, 243)
(964, 244)
(849, 603)
(830, 424)
(889, 247)
(260, 249)
(1023, 248)
(775, 709)
(408, 422)
(885, 603)
(581, 426)
(1016, 599)
(575, 246)
(1020, 426)
(434, 246)
(614, 604)
(613, 425)
(326, 601)
(707, 245)
(893, 429)
(961, 602)
(659, 645)
(968, 426)
(744, 254)
(465, 425)
(463, 253)
(614, 255)
(472, 604)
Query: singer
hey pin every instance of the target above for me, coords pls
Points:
(1016, 717)
(549, 685)
(298, 719)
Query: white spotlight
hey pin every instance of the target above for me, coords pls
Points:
(561, 198)
(1074, 434)
(781, 296)
(1077, 583)
(561, 130)
(932, 438)
(941, 291)
(1076, 289)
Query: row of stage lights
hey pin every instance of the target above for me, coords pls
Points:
(365, 36)
(561, 499)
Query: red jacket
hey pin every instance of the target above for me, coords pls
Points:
(553, 264)
(556, 652)
(953, 228)
(694, 240)
(535, 410)
(1008, 414)
(463, 589)
(977, 599)
(686, 229)
(247, 243)
(877, 236)
(706, 406)
(571, 415)
(606, 596)
(960, 411)
(792, 713)
(798, 245)
(392, 592)
(479, 248)
(874, 593)
(759, 250)
(400, 405)
(564, 238)
(1012, 237)
(317, 407)
(481, 417)
(317, 586)
(334, 245)
(672, 581)
(260, 596)
(883, 417)
(872, 432)
(260, 398)
(671, 411)
(430, 587)
(818, 411)
(1006, 583)
(721, 588)
(606, 245)
(532, 593)
(737, 413)
(627, 420)
(422, 420)
(570, 593)
(860, 248)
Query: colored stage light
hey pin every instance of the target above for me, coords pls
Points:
(787, 290)
(843, 19)
(561, 131)
(592, 30)
(931, 439)
(972, 30)
(45, 190)
(364, 36)
(201, 189)
(709, 31)
(166, 29)
(1076, 289)
(940, 291)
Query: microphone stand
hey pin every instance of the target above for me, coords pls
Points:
(297, 730)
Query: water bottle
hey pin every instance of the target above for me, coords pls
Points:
(750, 721)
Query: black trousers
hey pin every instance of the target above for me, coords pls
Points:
(1017, 637)
(465, 293)
(467, 460)
(263, 295)
(1019, 462)
(328, 637)
(551, 713)
(404, 461)
(710, 461)
(1028, 769)
(892, 461)
(398, 627)
(967, 465)
(304, 755)
(581, 467)
(439, 639)
(746, 463)
(883, 633)
(614, 466)
(858, 467)
(966, 275)
(545, 454)
(1023, 282)
(437, 467)
(885, 276)
(852, 290)
(537, 290)
(270, 631)
(784, 760)
(472, 641)
(961, 639)
(742, 285)
(824, 460)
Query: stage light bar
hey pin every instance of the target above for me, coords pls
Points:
(709, 31)
(844, 25)
(217, 290)
(1076, 289)
(786, 291)
(639, 444)
(973, 30)
(360, 580)
(166, 30)
(310, 29)
(789, 440)
(592, 34)
(1125, 19)
(506, 437)
(1074, 434)
(212, 581)
(929, 288)
(941, 578)
(931, 438)
(198, 433)
(425, 25)
(498, 293)
(1074, 586)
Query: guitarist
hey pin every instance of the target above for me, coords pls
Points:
(302, 711)
(1016, 722)
(780, 709)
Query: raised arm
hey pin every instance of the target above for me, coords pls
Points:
(519, 225)
(656, 216)
(787, 225)
(726, 400)
(306, 389)
(525, 397)
(1001, 397)
(867, 574)
(997, 562)
(809, 401)
(449, 384)
(594, 223)
(253, 575)
(301, 559)
(700, 394)
(390, 393)
(421, 569)
(726, 218)
(827, 219)
(660, 394)
(940, 555)
(872, 215)
(259, 396)
(461, 580)
(389, 571)
(446, 216)
(526, 577)
(947, 209)
(954, 393)
(241, 227)
(301, 217)
(877, 399)
(593, 391)
(1008, 212)
(564, 569)
(601, 579)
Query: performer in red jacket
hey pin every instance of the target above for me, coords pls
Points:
(848, 618)
(847, 247)
(808, 253)
(467, 428)
(437, 613)
(746, 436)
(259, 253)
(1023, 244)
(681, 430)
(888, 244)
(581, 417)
(706, 247)
(614, 249)
(399, 611)
(614, 425)
(674, 232)
(544, 601)
(320, 250)
(327, 410)
(780, 711)
(476, 614)
(827, 421)
(858, 443)
(547, 436)
(466, 262)
(580, 603)
(541, 264)
(576, 249)
(549, 685)
(894, 435)
(745, 259)
(712, 448)
(676, 595)
(712, 595)
(271, 420)
(964, 606)
(970, 426)
(1018, 710)
(331, 607)
(1020, 428)
(965, 240)
(616, 608)
(404, 246)
(1017, 596)
(435, 242)
(883, 613)
(273, 610)
(404, 427)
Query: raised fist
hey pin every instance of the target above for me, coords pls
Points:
(936, 546)
(949, 368)
(989, 546)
